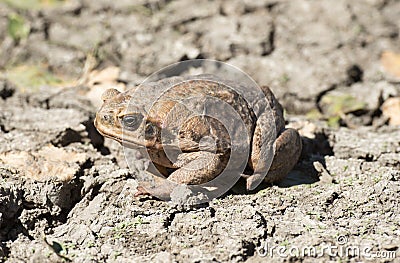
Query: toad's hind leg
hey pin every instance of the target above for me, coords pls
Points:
(287, 152)
(270, 132)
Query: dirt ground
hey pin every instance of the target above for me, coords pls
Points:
(67, 195)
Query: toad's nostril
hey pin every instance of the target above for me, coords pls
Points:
(107, 119)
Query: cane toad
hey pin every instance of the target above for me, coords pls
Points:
(170, 119)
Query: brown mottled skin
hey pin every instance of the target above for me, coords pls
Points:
(201, 143)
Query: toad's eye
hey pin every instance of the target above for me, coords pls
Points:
(132, 121)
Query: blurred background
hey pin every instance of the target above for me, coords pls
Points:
(321, 58)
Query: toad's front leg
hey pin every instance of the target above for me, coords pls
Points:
(193, 169)
(196, 168)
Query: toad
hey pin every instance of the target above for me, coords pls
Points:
(187, 127)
